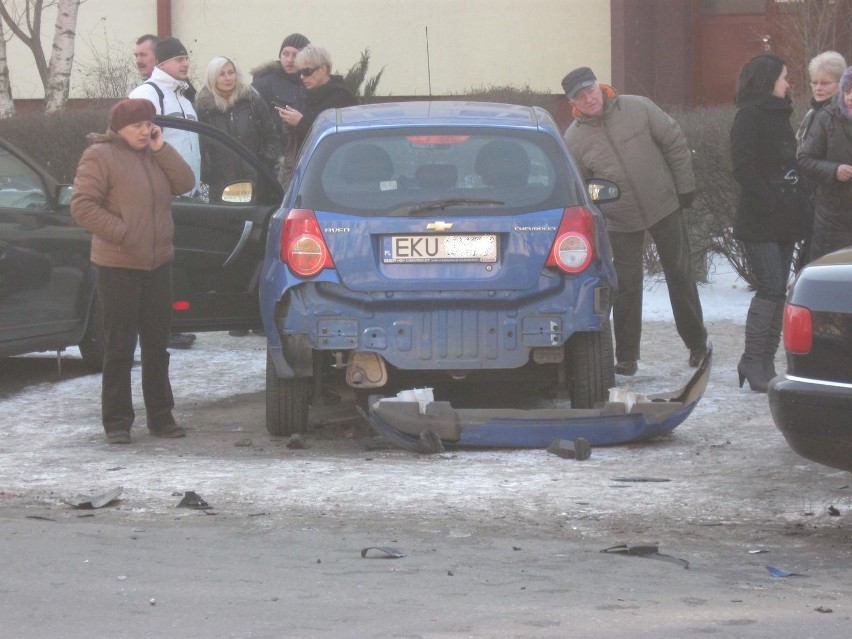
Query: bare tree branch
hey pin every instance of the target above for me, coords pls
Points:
(809, 27)
(25, 22)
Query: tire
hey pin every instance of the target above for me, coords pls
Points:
(93, 345)
(591, 367)
(286, 402)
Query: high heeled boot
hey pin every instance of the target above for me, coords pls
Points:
(752, 365)
(773, 338)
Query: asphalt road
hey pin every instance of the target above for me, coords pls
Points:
(495, 543)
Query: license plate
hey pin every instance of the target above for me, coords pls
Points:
(439, 248)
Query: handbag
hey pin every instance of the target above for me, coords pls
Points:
(793, 204)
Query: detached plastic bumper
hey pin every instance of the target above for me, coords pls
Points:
(627, 417)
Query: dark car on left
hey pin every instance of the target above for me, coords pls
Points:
(812, 402)
(48, 298)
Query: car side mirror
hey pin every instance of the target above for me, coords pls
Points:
(238, 193)
(601, 190)
(63, 194)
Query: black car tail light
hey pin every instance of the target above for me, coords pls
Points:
(798, 329)
(574, 246)
(303, 248)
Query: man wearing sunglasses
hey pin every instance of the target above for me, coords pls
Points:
(279, 84)
(323, 91)
(631, 141)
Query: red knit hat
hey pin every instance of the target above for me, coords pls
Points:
(130, 111)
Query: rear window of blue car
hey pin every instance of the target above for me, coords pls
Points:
(483, 170)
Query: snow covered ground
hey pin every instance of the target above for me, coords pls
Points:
(51, 442)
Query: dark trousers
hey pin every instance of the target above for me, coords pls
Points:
(770, 264)
(669, 235)
(137, 304)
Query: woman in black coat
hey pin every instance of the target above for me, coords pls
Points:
(324, 90)
(826, 158)
(769, 218)
(229, 104)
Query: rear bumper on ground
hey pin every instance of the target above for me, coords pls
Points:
(815, 418)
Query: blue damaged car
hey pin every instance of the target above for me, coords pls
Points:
(434, 243)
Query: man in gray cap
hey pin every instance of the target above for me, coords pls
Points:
(631, 141)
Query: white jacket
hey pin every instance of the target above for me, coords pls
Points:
(177, 106)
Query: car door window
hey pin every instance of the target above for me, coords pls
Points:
(20, 186)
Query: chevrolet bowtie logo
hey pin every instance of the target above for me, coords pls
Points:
(439, 225)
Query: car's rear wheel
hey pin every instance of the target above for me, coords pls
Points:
(93, 345)
(287, 401)
(591, 368)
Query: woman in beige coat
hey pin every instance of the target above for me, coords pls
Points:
(122, 194)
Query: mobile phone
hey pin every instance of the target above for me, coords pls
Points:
(281, 105)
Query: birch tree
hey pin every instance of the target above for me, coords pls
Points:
(7, 105)
(24, 20)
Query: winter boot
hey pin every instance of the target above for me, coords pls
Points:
(773, 338)
(752, 366)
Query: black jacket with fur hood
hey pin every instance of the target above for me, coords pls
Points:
(249, 121)
(275, 85)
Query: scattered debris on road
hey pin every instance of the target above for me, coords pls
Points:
(651, 551)
(383, 552)
(95, 501)
(778, 572)
(191, 499)
(579, 449)
(296, 441)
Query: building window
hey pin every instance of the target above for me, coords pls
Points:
(711, 7)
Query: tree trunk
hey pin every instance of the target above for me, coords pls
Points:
(7, 106)
(58, 78)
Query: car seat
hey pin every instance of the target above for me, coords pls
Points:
(503, 163)
(436, 177)
(366, 163)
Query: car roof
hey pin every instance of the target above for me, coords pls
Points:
(435, 113)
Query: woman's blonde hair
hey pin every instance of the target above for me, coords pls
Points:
(829, 62)
(214, 68)
(313, 56)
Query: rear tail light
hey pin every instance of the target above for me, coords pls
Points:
(798, 329)
(574, 247)
(303, 248)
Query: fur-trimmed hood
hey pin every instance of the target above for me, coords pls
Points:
(267, 67)
(206, 102)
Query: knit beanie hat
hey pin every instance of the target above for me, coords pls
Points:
(130, 111)
(296, 40)
(169, 48)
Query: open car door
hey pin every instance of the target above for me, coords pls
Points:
(220, 236)
(46, 284)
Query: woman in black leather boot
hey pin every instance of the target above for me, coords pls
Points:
(769, 217)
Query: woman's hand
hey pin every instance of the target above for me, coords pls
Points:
(156, 141)
(289, 115)
(844, 172)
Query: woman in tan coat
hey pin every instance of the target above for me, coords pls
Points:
(122, 194)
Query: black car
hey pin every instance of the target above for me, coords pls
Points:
(812, 403)
(48, 299)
